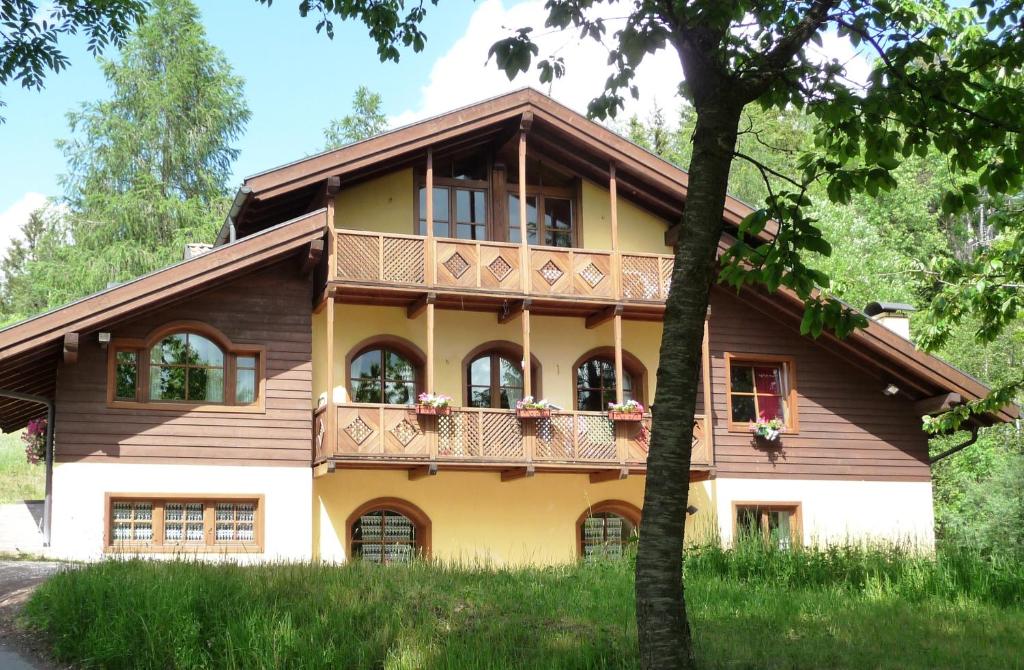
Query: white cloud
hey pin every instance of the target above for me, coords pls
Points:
(462, 76)
(856, 64)
(15, 216)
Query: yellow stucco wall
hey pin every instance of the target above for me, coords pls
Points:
(557, 342)
(475, 517)
(383, 205)
(386, 205)
(639, 230)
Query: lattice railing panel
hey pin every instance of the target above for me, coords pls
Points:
(641, 277)
(404, 260)
(358, 257)
(555, 438)
(595, 438)
(502, 435)
(666, 276)
(458, 435)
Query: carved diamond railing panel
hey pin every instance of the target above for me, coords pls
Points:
(358, 430)
(591, 274)
(403, 260)
(404, 432)
(550, 272)
(457, 265)
(499, 268)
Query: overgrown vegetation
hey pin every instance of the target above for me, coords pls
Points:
(752, 608)
(19, 480)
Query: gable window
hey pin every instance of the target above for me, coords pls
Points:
(605, 530)
(167, 523)
(760, 389)
(388, 531)
(550, 218)
(191, 365)
(774, 523)
(596, 384)
(383, 374)
(459, 212)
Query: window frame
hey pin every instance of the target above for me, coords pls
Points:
(626, 510)
(631, 365)
(453, 185)
(795, 508)
(397, 344)
(541, 192)
(789, 395)
(210, 544)
(505, 349)
(419, 518)
(141, 348)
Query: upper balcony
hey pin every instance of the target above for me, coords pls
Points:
(382, 264)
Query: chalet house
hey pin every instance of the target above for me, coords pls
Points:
(260, 398)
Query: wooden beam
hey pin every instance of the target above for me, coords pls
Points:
(333, 185)
(526, 121)
(527, 368)
(617, 335)
(430, 347)
(709, 400)
(511, 311)
(938, 404)
(518, 473)
(524, 251)
(309, 260)
(613, 196)
(331, 424)
(609, 475)
(604, 316)
(422, 471)
(419, 305)
(428, 217)
(70, 348)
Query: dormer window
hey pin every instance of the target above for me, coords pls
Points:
(194, 366)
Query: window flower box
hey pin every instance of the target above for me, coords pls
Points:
(767, 430)
(528, 408)
(630, 410)
(430, 404)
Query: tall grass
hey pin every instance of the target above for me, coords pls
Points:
(19, 480)
(751, 607)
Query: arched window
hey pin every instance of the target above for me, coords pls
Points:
(494, 375)
(388, 531)
(385, 372)
(604, 530)
(596, 383)
(187, 363)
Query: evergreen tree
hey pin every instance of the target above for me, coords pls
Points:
(364, 121)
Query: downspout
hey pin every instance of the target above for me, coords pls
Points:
(227, 232)
(960, 447)
(48, 500)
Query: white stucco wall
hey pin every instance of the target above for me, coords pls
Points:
(79, 490)
(837, 511)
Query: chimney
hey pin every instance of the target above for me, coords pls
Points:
(893, 315)
(194, 249)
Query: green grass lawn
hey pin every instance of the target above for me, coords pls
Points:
(18, 480)
(858, 610)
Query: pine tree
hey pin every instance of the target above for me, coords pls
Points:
(365, 120)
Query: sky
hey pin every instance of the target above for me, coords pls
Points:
(296, 81)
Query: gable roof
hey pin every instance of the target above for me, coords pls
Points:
(31, 350)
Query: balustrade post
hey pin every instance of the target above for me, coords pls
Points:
(705, 370)
(613, 193)
(331, 412)
(524, 249)
(430, 250)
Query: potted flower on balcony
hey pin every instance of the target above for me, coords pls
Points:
(433, 404)
(630, 410)
(767, 430)
(528, 408)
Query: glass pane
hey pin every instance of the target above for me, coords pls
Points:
(480, 396)
(558, 222)
(440, 205)
(206, 384)
(510, 396)
(126, 375)
(743, 408)
(245, 362)
(768, 379)
(465, 231)
(245, 387)
(531, 218)
(741, 378)
(589, 401)
(509, 373)
(170, 350)
(770, 406)
(399, 367)
(166, 383)
(367, 365)
(204, 352)
(589, 374)
(366, 390)
(400, 393)
(780, 529)
(480, 371)
(469, 206)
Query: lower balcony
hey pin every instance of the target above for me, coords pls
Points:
(370, 435)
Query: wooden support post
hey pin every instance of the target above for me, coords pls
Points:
(613, 191)
(430, 346)
(429, 217)
(603, 316)
(330, 195)
(617, 334)
(331, 438)
(705, 363)
(527, 376)
(419, 305)
(609, 475)
(70, 348)
(511, 311)
(524, 250)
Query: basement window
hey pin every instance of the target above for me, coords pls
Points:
(186, 523)
(773, 523)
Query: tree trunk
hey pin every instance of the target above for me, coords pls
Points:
(662, 627)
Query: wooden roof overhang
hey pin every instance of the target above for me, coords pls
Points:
(32, 351)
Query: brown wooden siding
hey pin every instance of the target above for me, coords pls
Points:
(271, 308)
(848, 428)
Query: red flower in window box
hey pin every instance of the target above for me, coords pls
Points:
(630, 410)
(528, 408)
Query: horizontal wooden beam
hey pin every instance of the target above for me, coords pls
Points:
(518, 473)
(310, 259)
(70, 348)
(421, 471)
(609, 475)
(513, 310)
(938, 404)
(419, 305)
(604, 316)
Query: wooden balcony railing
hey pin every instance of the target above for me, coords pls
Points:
(403, 260)
(389, 433)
